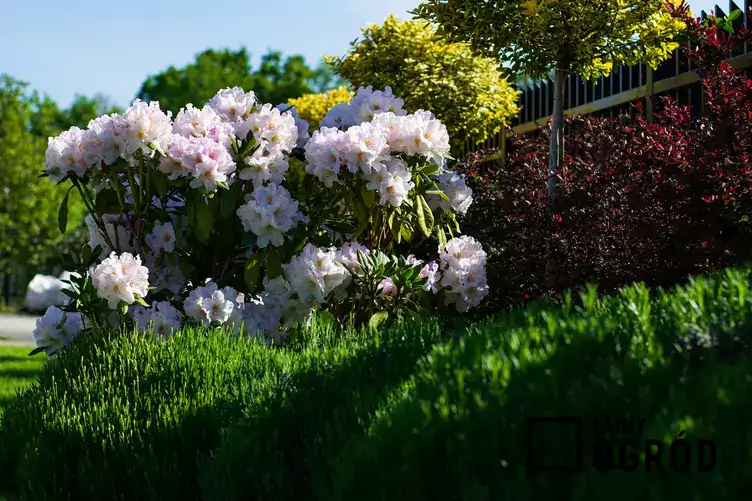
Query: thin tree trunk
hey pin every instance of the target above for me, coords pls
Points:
(556, 146)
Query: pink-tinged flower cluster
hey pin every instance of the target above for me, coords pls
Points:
(162, 318)
(269, 213)
(120, 278)
(201, 159)
(314, 273)
(210, 305)
(454, 187)
(366, 104)
(463, 269)
(56, 329)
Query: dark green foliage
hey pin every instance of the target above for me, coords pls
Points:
(460, 430)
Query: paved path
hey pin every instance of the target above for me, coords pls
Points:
(17, 329)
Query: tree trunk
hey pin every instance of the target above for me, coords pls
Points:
(556, 147)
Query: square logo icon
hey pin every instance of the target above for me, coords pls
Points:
(554, 444)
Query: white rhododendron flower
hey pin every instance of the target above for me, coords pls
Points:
(162, 237)
(325, 155)
(54, 334)
(120, 278)
(432, 274)
(65, 155)
(348, 255)
(233, 105)
(162, 318)
(145, 128)
(103, 140)
(339, 116)
(303, 127)
(208, 304)
(269, 213)
(117, 231)
(276, 131)
(314, 273)
(426, 136)
(364, 107)
(387, 287)
(454, 187)
(201, 159)
(392, 180)
(261, 168)
(168, 277)
(463, 267)
(365, 145)
(195, 122)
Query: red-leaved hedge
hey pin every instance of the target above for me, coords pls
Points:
(636, 201)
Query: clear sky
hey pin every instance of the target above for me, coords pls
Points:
(68, 47)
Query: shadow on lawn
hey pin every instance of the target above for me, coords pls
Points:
(283, 453)
(479, 449)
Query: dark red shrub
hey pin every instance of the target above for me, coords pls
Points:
(636, 201)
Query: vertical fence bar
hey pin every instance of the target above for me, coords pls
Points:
(649, 93)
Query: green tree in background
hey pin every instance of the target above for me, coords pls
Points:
(276, 80)
(466, 92)
(28, 206)
(83, 109)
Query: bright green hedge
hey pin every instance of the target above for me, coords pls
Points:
(134, 419)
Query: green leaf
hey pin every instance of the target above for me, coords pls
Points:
(160, 183)
(107, 202)
(369, 197)
(406, 232)
(734, 15)
(252, 273)
(273, 263)
(425, 216)
(142, 302)
(37, 351)
(430, 170)
(227, 204)
(326, 317)
(204, 222)
(62, 213)
(441, 236)
(377, 319)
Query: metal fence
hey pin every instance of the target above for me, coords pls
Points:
(620, 91)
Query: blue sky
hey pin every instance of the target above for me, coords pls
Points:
(65, 47)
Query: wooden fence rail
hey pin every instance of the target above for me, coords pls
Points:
(618, 92)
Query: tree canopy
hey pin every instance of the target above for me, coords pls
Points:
(579, 37)
(28, 206)
(583, 37)
(276, 80)
(465, 91)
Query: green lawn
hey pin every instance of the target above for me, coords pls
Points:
(17, 370)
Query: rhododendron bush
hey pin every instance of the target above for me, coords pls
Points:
(233, 215)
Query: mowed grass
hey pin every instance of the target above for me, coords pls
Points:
(17, 370)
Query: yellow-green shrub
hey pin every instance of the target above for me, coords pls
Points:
(464, 91)
(313, 107)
